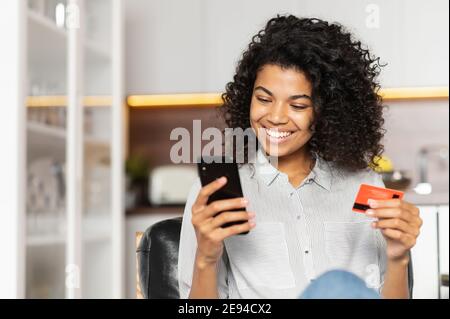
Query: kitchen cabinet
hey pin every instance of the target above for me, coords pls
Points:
(70, 229)
(443, 237)
(202, 55)
(430, 254)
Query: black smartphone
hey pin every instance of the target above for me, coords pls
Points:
(211, 168)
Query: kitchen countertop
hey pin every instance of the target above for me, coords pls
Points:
(169, 209)
(438, 198)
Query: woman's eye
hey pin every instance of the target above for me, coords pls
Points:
(263, 100)
(299, 107)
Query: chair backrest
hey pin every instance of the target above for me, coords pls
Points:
(157, 260)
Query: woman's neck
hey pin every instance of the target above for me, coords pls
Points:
(296, 166)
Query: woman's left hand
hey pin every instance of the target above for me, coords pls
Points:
(399, 222)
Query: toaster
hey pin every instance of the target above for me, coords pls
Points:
(170, 184)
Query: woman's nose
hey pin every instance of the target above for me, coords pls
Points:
(278, 114)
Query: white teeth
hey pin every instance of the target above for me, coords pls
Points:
(277, 134)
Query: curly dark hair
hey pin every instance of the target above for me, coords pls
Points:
(348, 111)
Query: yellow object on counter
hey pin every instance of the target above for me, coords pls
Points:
(384, 164)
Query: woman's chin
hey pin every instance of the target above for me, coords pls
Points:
(275, 150)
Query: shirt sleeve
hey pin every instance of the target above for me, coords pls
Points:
(380, 240)
(188, 248)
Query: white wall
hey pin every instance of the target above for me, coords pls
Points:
(12, 140)
(176, 46)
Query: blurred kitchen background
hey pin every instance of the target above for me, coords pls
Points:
(92, 89)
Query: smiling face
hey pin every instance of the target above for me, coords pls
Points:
(281, 110)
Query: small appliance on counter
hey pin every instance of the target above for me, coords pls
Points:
(170, 184)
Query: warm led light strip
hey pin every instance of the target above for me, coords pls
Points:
(414, 93)
(61, 101)
(187, 100)
(214, 99)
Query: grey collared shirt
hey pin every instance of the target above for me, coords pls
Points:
(300, 233)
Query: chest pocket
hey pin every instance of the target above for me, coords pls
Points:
(261, 257)
(351, 246)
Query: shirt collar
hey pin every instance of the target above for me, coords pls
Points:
(321, 174)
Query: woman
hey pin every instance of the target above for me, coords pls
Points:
(309, 92)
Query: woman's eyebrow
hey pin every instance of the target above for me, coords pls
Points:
(293, 97)
(263, 89)
(300, 96)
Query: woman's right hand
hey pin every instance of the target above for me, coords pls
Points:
(208, 219)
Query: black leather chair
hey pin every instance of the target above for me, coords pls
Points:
(157, 258)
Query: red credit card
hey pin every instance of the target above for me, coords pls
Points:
(367, 192)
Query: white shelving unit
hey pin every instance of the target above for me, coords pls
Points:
(46, 139)
(97, 230)
(82, 238)
(42, 31)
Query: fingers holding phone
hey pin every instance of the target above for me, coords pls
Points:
(220, 178)
(217, 220)
(206, 191)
